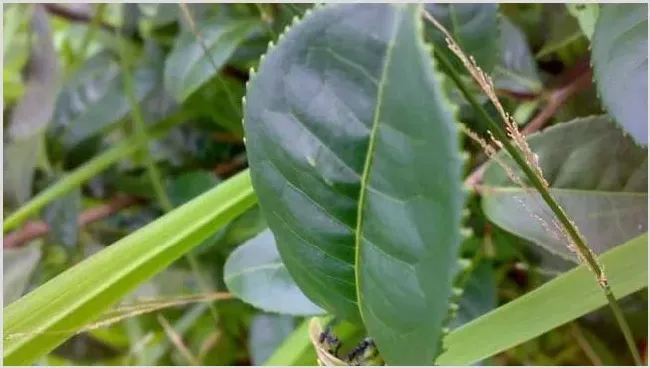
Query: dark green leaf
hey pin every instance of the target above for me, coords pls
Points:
(598, 175)
(188, 67)
(474, 26)
(61, 216)
(192, 184)
(340, 121)
(562, 33)
(255, 273)
(479, 295)
(18, 265)
(517, 70)
(96, 99)
(620, 60)
(267, 333)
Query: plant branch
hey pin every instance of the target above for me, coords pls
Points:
(65, 12)
(37, 229)
(521, 154)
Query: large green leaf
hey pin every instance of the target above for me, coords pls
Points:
(188, 67)
(255, 273)
(620, 59)
(598, 175)
(474, 26)
(44, 318)
(561, 300)
(355, 157)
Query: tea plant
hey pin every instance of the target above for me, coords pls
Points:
(401, 174)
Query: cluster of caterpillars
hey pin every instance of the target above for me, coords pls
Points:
(365, 353)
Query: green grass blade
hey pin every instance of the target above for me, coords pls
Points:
(563, 299)
(43, 319)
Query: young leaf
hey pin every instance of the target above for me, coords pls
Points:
(345, 123)
(188, 67)
(474, 26)
(80, 294)
(255, 273)
(604, 191)
(563, 299)
(620, 60)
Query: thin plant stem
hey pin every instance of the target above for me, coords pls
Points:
(533, 176)
(152, 170)
(94, 25)
(187, 13)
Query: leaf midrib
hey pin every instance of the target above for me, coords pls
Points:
(369, 159)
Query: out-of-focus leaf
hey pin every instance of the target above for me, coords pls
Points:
(188, 67)
(35, 109)
(190, 185)
(255, 273)
(562, 33)
(245, 227)
(61, 216)
(587, 15)
(18, 265)
(479, 295)
(159, 14)
(267, 332)
(336, 152)
(20, 158)
(109, 107)
(33, 112)
(220, 99)
(474, 26)
(598, 175)
(152, 354)
(620, 60)
(517, 70)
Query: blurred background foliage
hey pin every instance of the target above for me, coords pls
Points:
(80, 78)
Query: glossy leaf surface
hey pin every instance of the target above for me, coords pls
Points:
(598, 175)
(255, 273)
(355, 158)
(620, 59)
